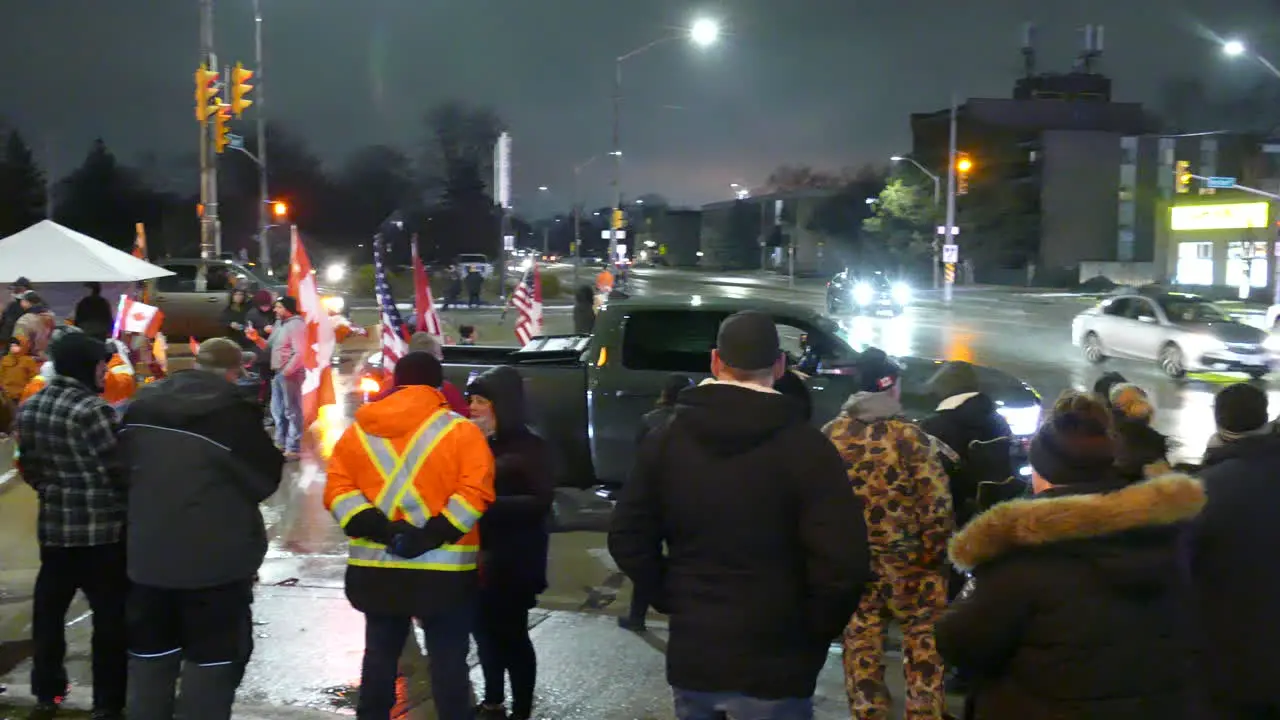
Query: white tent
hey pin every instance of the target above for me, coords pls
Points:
(50, 253)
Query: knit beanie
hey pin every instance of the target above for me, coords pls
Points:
(1075, 446)
(1239, 409)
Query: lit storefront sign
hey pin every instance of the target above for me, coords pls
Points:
(1230, 216)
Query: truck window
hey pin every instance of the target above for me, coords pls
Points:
(670, 340)
(183, 279)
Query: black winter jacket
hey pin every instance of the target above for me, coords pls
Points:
(766, 549)
(197, 464)
(1078, 605)
(1234, 570)
(513, 532)
(971, 427)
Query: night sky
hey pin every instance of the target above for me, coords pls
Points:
(822, 82)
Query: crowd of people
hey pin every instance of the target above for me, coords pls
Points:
(1116, 586)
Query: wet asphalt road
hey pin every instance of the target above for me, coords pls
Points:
(308, 648)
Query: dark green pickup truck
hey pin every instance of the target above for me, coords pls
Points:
(586, 394)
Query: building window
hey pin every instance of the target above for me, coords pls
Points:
(1128, 176)
(1126, 214)
(1247, 261)
(1129, 150)
(1195, 263)
(1124, 248)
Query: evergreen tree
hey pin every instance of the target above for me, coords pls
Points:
(22, 186)
(100, 199)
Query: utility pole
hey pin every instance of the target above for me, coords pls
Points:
(264, 199)
(210, 237)
(546, 240)
(948, 230)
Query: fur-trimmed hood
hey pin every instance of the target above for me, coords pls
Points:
(1036, 522)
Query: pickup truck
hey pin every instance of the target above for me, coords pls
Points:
(587, 393)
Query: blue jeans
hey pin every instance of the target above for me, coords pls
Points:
(286, 410)
(692, 705)
(448, 639)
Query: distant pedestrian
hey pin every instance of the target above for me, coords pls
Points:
(68, 454)
(1235, 581)
(1077, 606)
(93, 313)
(894, 468)
(765, 550)
(13, 310)
(198, 465)
(37, 323)
(413, 553)
(235, 319)
(453, 287)
(287, 348)
(474, 283)
(513, 542)
(584, 310)
(651, 421)
(262, 317)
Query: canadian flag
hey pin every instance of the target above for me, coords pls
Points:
(138, 317)
(317, 384)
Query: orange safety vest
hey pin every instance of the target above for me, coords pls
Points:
(120, 384)
(604, 281)
(413, 459)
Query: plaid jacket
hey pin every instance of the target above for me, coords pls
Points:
(67, 453)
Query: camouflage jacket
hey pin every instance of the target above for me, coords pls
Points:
(895, 468)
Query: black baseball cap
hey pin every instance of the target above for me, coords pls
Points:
(876, 371)
(748, 341)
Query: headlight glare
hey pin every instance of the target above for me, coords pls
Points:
(1023, 421)
(334, 304)
(901, 293)
(863, 294)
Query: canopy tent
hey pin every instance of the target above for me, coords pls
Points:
(50, 253)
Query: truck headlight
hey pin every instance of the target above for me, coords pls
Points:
(863, 294)
(901, 293)
(1023, 421)
(334, 304)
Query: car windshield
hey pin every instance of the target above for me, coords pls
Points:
(875, 280)
(1191, 310)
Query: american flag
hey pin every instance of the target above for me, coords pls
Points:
(394, 346)
(527, 300)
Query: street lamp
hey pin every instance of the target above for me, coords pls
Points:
(937, 200)
(543, 188)
(704, 32)
(1233, 48)
(1237, 48)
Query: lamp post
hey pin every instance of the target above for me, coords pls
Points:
(937, 200)
(703, 33)
(1237, 48)
(264, 221)
(577, 215)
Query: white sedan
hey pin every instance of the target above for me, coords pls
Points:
(1181, 332)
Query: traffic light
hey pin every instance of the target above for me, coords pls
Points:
(1182, 177)
(221, 128)
(240, 76)
(619, 220)
(964, 165)
(206, 93)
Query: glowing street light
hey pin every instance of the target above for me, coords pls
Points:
(279, 209)
(543, 188)
(1233, 48)
(704, 32)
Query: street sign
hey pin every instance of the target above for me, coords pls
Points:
(611, 234)
(508, 242)
(942, 230)
(236, 142)
(950, 253)
(1220, 182)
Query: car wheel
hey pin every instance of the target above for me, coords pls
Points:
(1093, 349)
(1172, 362)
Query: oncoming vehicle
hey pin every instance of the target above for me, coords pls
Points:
(193, 298)
(869, 293)
(1179, 331)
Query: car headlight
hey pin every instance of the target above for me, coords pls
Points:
(901, 293)
(1272, 343)
(335, 272)
(863, 294)
(1022, 421)
(334, 304)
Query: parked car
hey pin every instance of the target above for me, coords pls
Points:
(193, 298)
(474, 261)
(866, 293)
(1181, 332)
(587, 393)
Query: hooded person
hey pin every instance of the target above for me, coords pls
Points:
(895, 468)
(93, 313)
(967, 422)
(408, 482)
(1234, 589)
(765, 551)
(1142, 452)
(1090, 568)
(68, 453)
(513, 541)
(430, 344)
(584, 310)
(198, 463)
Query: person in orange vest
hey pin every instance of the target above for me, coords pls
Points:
(408, 483)
(604, 282)
(121, 382)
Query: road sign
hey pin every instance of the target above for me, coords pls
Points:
(508, 242)
(950, 253)
(236, 142)
(1220, 182)
(942, 230)
(950, 273)
(612, 234)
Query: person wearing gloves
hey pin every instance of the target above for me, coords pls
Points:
(408, 483)
(287, 348)
(513, 542)
(197, 464)
(68, 454)
(1077, 603)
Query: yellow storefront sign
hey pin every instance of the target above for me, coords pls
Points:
(1229, 216)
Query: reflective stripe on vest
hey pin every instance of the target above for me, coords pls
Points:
(460, 514)
(348, 505)
(448, 558)
(399, 470)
